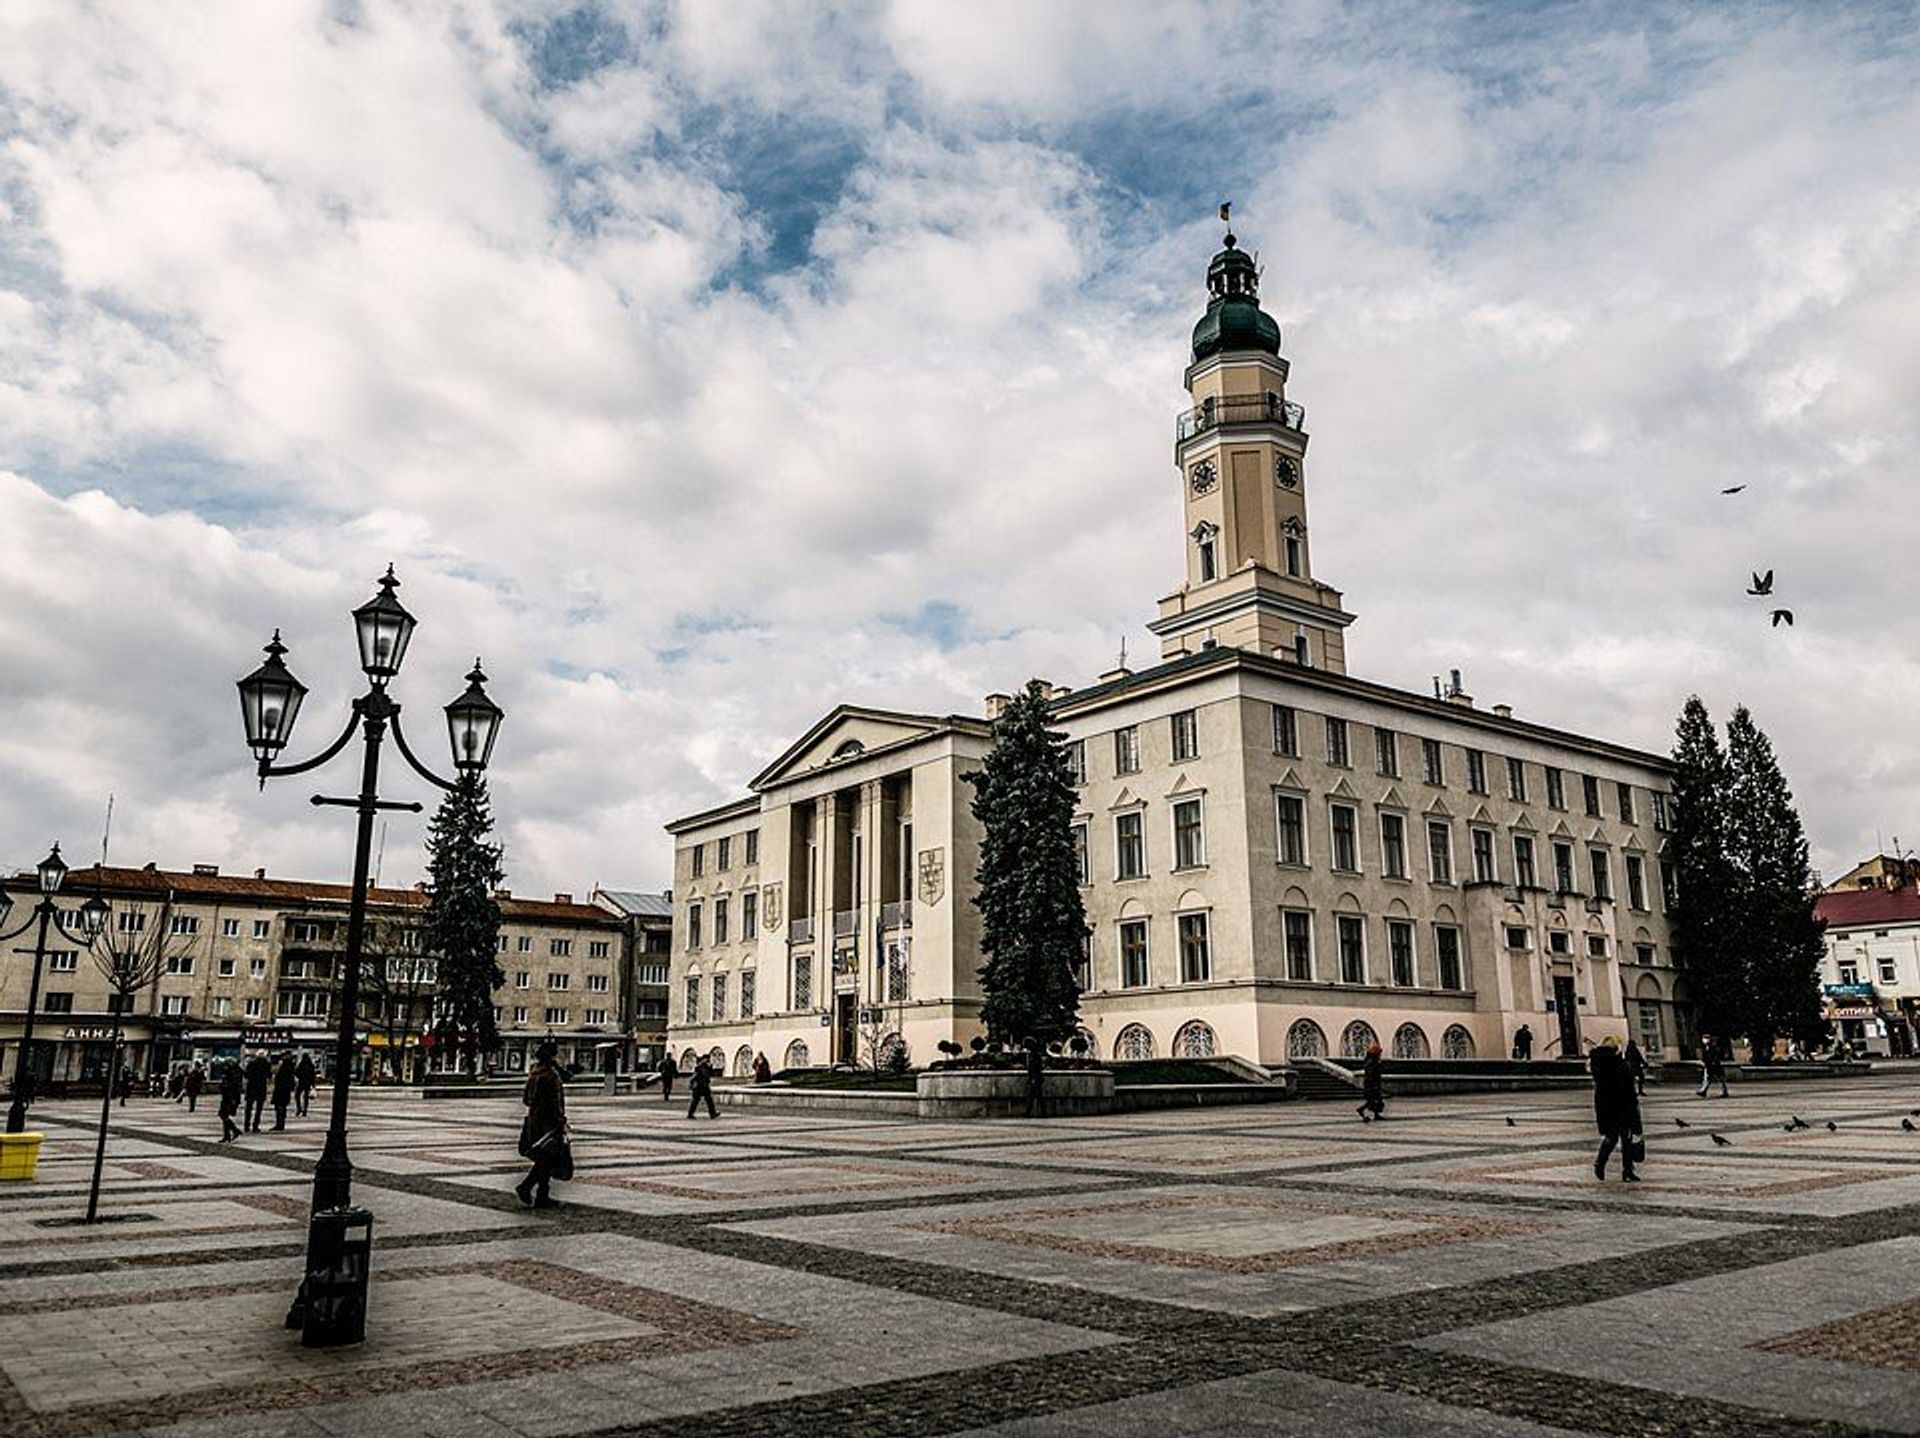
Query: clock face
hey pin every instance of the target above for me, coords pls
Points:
(1205, 476)
(1286, 472)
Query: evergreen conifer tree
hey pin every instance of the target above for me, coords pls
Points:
(1781, 937)
(1032, 919)
(462, 925)
(1707, 937)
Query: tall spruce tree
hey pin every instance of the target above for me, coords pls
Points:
(1032, 919)
(462, 926)
(1707, 937)
(1782, 941)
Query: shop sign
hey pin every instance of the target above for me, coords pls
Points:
(1854, 1011)
(270, 1038)
(1849, 991)
(90, 1033)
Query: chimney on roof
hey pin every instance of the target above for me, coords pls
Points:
(563, 898)
(503, 893)
(207, 871)
(1456, 692)
(1115, 675)
(1503, 711)
(259, 873)
(997, 704)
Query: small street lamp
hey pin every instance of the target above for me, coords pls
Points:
(51, 872)
(270, 700)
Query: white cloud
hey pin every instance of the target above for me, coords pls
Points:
(679, 380)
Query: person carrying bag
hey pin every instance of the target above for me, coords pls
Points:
(543, 1133)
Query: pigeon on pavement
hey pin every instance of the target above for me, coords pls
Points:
(1681, 1123)
(1719, 1142)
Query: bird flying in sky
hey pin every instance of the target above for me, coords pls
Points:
(1762, 583)
(1734, 489)
(1783, 616)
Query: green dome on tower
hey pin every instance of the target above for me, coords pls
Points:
(1234, 319)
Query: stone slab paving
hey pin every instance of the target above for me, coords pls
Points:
(1453, 1270)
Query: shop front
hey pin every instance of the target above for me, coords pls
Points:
(72, 1059)
(1855, 1013)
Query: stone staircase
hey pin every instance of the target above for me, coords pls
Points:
(1322, 1078)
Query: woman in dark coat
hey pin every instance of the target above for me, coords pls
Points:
(1373, 1100)
(1616, 1110)
(230, 1089)
(546, 1101)
(284, 1079)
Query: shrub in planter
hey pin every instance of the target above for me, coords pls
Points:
(979, 1045)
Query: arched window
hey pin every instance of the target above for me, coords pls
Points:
(743, 1061)
(1410, 1042)
(717, 1059)
(1358, 1038)
(1306, 1040)
(1206, 542)
(1135, 1042)
(688, 1058)
(797, 1055)
(847, 748)
(1456, 1043)
(1195, 1040)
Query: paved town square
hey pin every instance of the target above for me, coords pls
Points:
(1275, 1269)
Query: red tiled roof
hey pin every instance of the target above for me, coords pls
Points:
(1853, 908)
(114, 879)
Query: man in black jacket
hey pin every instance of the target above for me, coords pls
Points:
(669, 1071)
(259, 1073)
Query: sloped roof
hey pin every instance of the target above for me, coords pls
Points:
(637, 903)
(1856, 908)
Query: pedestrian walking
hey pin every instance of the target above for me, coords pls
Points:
(259, 1074)
(1636, 1066)
(176, 1084)
(1713, 1067)
(669, 1071)
(1373, 1094)
(285, 1078)
(305, 1076)
(543, 1133)
(700, 1086)
(123, 1085)
(195, 1080)
(1523, 1042)
(762, 1070)
(230, 1091)
(1616, 1110)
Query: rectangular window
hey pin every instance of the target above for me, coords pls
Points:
(1889, 971)
(1590, 794)
(1083, 965)
(598, 948)
(1486, 868)
(1286, 731)
(1297, 927)
(719, 997)
(1516, 937)
(1353, 948)
(1523, 872)
(227, 967)
(1440, 853)
(803, 981)
(692, 1010)
(1295, 556)
(1189, 838)
(596, 1016)
(1077, 760)
(262, 928)
(1386, 752)
(559, 948)
(558, 981)
(1602, 869)
(176, 1004)
(1291, 811)
(746, 993)
(1849, 971)
(523, 944)
(1393, 846)
(1596, 946)
(597, 983)
(1660, 811)
(752, 847)
(500, 943)
(229, 928)
(1400, 952)
(1346, 838)
(693, 925)
(179, 963)
(1337, 742)
(1082, 861)
(522, 979)
(1446, 949)
(723, 854)
(556, 1017)
(1643, 953)
(1126, 750)
(721, 919)
(1432, 767)
(699, 860)
(252, 1008)
(1517, 781)
(1669, 887)
(1476, 771)
(750, 915)
(1623, 794)
(1186, 735)
(134, 921)
(519, 1013)
(1559, 941)
(1556, 789)
(1562, 868)
(1133, 953)
(1636, 882)
(257, 968)
(63, 961)
(1196, 958)
(222, 1006)
(184, 924)
(1129, 845)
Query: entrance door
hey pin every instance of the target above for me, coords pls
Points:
(1566, 1003)
(845, 1030)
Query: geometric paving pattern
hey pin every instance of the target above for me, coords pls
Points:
(1279, 1269)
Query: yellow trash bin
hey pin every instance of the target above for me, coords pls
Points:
(19, 1154)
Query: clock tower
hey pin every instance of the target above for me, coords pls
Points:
(1240, 452)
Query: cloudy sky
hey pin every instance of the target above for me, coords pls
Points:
(704, 365)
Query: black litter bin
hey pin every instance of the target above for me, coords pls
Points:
(339, 1260)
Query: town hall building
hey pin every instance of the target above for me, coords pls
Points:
(1279, 860)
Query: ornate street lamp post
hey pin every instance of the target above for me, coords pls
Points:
(51, 871)
(270, 699)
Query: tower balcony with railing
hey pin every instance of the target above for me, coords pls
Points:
(1228, 411)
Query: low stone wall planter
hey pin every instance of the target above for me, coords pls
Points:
(1002, 1093)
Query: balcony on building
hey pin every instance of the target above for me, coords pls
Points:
(1231, 410)
(800, 931)
(897, 914)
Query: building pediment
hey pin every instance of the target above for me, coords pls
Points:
(1561, 831)
(1481, 816)
(847, 733)
(1182, 785)
(1289, 780)
(1126, 799)
(1342, 789)
(1437, 808)
(1390, 798)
